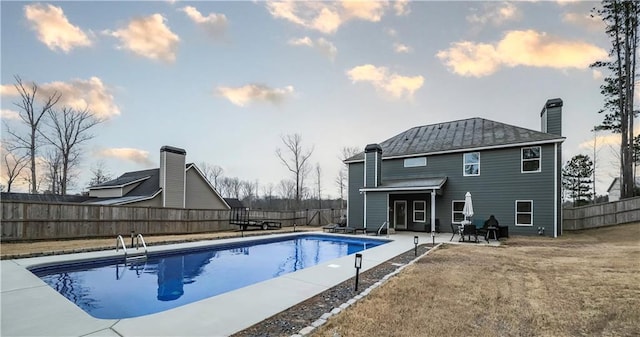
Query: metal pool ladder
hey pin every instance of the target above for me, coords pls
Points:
(386, 223)
(139, 239)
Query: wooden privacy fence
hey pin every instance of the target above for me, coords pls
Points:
(45, 221)
(602, 215)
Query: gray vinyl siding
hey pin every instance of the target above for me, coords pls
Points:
(199, 194)
(376, 209)
(553, 119)
(559, 191)
(494, 191)
(355, 201)
(370, 168)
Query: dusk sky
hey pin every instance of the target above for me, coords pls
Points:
(225, 80)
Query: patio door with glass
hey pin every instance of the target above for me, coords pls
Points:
(400, 214)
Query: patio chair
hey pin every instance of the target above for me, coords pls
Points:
(335, 227)
(330, 227)
(470, 230)
(483, 231)
(454, 230)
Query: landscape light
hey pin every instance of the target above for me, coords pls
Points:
(415, 242)
(358, 265)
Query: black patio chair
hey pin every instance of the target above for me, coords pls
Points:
(454, 230)
(470, 230)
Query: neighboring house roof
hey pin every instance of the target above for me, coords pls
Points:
(461, 135)
(148, 188)
(44, 197)
(616, 182)
(120, 200)
(150, 182)
(234, 203)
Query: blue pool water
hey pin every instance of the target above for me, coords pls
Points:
(113, 290)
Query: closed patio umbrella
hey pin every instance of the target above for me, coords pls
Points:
(468, 206)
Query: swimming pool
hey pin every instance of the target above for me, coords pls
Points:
(110, 290)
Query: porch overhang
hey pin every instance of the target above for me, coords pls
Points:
(423, 184)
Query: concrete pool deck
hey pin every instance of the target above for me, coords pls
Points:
(32, 308)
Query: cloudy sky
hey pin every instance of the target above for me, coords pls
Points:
(225, 80)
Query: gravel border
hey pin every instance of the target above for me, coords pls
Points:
(303, 318)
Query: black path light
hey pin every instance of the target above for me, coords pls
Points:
(358, 265)
(415, 242)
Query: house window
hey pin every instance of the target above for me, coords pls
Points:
(524, 212)
(531, 159)
(415, 162)
(457, 206)
(471, 164)
(419, 211)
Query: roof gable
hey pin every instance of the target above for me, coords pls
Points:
(458, 135)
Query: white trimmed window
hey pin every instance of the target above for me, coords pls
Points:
(419, 211)
(524, 212)
(415, 162)
(530, 159)
(457, 216)
(471, 162)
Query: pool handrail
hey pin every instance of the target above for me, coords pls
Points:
(386, 223)
(120, 241)
(139, 239)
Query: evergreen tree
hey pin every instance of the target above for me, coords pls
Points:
(576, 179)
(621, 21)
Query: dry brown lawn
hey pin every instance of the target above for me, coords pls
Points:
(582, 284)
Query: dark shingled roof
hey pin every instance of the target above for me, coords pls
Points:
(456, 136)
(234, 203)
(52, 198)
(149, 186)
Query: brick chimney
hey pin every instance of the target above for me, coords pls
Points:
(372, 165)
(172, 176)
(551, 117)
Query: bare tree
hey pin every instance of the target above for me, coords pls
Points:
(341, 179)
(267, 193)
(249, 191)
(31, 111)
(12, 163)
(69, 128)
(596, 150)
(348, 151)
(286, 190)
(296, 161)
(213, 173)
(230, 187)
(99, 174)
(53, 165)
(319, 185)
(341, 182)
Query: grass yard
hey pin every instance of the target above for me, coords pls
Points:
(583, 284)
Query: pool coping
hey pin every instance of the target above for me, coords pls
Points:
(31, 308)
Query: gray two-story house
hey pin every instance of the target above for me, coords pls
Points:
(422, 174)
